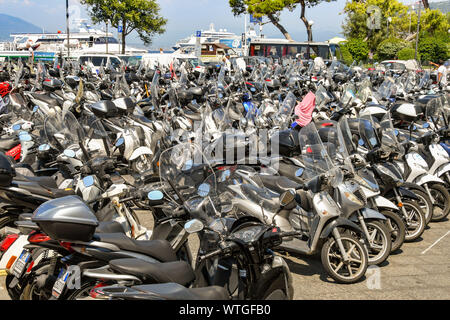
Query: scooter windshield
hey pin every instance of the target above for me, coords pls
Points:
(437, 112)
(315, 156)
(365, 90)
(387, 88)
(424, 80)
(322, 96)
(154, 89)
(389, 135)
(184, 167)
(63, 130)
(367, 133)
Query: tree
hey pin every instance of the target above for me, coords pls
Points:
(426, 5)
(272, 8)
(403, 21)
(141, 16)
(262, 8)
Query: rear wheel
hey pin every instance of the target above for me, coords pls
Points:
(342, 271)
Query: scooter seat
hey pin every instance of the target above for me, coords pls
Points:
(158, 249)
(178, 271)
(192, 115)
(109, 227)
(45, 98)
(264, 197)
(174, 291)
(278, 184)
(8, 143)
(45, 182)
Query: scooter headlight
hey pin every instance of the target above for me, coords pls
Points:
(350, 196)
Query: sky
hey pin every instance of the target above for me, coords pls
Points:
(187, 16)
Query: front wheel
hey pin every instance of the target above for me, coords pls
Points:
(379, 242)
(415, 220)
(397, 229)
(141, 164)
(350, 271)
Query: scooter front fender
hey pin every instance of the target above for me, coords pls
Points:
(382, 202)
(427, 179)
(372, 214)
(341, 222)
(443, 170)
(140, 152)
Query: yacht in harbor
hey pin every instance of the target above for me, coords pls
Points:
(84, 39)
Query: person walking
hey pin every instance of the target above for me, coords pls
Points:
(442, 75)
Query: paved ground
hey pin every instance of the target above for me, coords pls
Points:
(421, 270)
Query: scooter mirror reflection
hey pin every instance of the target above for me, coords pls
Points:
(16, 127)
(155, 195)
(44, 147)
(299, 172)
(287, 198)
(203, 190)
(69, 153)
(88, 181)
(120, 142)
(25, 137)
(193, 226)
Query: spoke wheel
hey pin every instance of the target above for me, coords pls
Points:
(415, 221)
(342, 271)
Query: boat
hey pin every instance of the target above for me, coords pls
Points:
(84, 39)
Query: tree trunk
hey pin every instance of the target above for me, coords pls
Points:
(426, 5)
(123, 35)
(305, 21)
(277, 24)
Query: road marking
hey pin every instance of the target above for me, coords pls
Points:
(436, 242)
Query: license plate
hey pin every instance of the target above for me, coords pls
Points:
(21, 263)
(60, 283)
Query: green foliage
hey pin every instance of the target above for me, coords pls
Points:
(346, 55)
(389, 48)
(141, 16)
(358, 48)
(403, 22)
(271, 9)
(406, 54)
(433, 49)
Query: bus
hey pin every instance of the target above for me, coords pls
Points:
(284, 48)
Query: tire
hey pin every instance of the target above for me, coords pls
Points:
(14, 293)
(332, 261)
(416, 227)
(6, 221)
(397, 229)
(441, 207)
(426, 204)
(141, 164)
(382, 244)
(83, 292)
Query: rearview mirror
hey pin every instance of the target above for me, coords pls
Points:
(69, 153)
(193, 226)
(203, 190)
(287, 198)
(120, 142)
(155, 195)
(17, 127)
(88, 181)
(44, 147)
